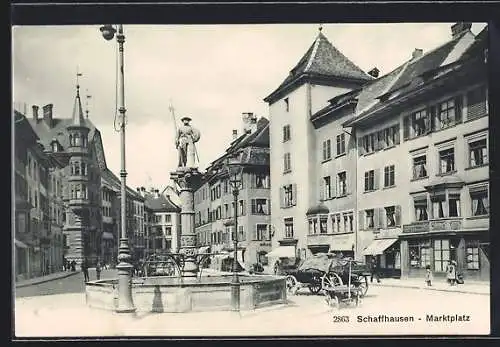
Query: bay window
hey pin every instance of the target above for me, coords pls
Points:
(421, 213)
(441, 255)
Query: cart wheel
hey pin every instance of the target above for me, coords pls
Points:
(291, 285)
(330, 280)
(363, 288)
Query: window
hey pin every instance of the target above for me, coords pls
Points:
(420, 167)
(260, 232)
(342, 182)
(480, 202)
(389, 176)
(478, 153)
(242, 209)
(286, 133)
(287, 104)
(327, 150)
(390, 136)
(259, 206)
(289, 228)
(447, 161)
(448, 114)
(454, 205)
(287, 166)
(438, 207)
(313, 229)
(346, 223)
(421, 209)
(335, 218)
(390, 215)
(369, 143)
(323, 227)
(327, 187)
(417, 124)
(369, 180)
(477, 103)
(168, 231)
(288, 195)
(441, 255)
(369, 221)
(420, 254)
(241, 233)
(472, 254)
(261, 180)
(340, 144)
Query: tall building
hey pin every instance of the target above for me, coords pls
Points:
(162, 222)
(423, 163)
(76, 143)
(39, 241)
(214, 202)
(301, 153)
(398, 165)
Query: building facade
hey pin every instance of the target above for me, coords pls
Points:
(302, 157)
(215, 204)
(163, 222)
(400, 164)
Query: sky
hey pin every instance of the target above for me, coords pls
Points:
(212, 73)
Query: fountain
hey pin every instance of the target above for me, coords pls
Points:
(189, 290)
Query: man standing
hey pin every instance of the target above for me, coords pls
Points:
(98, 270)
(185, 141)
(85, 270)
(374, 269)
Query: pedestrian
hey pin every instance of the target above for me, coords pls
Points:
(73, 265)
(374, 269)
(277, 267)
(451, 273)
(428, 276)
(98, 271)
(85, 270)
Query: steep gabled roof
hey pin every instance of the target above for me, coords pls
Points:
(322, 59)
(161, 203)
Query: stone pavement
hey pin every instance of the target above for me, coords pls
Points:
(66, 315)
(469, 287)
(47, 278)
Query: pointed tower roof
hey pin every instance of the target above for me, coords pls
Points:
(322, 60)
(78, 119)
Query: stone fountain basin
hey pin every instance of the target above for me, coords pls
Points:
(174, 294)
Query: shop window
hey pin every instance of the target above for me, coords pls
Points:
(420, 254)
(447, 161)
(441, 255)
(420, 167)
(472, 256)
(478, 153)
(480, 202)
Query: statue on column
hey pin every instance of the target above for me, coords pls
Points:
(185, 141)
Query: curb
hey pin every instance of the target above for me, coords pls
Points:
(22, 285)
(436, 289)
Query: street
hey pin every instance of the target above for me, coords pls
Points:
(71, 284)
(47, 315)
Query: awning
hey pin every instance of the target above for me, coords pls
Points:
(204, 249)
(106, 235)
(20, 244)
(282, 252)
(378, 246)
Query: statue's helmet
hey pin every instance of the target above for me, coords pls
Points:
(187, 119)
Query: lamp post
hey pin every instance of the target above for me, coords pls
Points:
(235, 171)
(125, 302)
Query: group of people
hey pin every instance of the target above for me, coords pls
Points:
(453, 277)
(98, 269)
(69, 265)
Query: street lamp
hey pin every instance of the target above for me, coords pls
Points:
(125, 302)
(235, 172)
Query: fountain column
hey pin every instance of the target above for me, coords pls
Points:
(187, 179)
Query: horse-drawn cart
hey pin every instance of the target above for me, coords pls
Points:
(337, 291)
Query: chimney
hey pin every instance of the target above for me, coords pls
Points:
(235, 134)
(143, 189)
(417, 53)
(459, 28)
(35, 112)
(47, 114)
(138, 189)
(374, 72)
(249, 122)
(157, 193)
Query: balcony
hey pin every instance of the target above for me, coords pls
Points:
(80, 177)
(320, 239)
(77, 203)
(447, 224)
